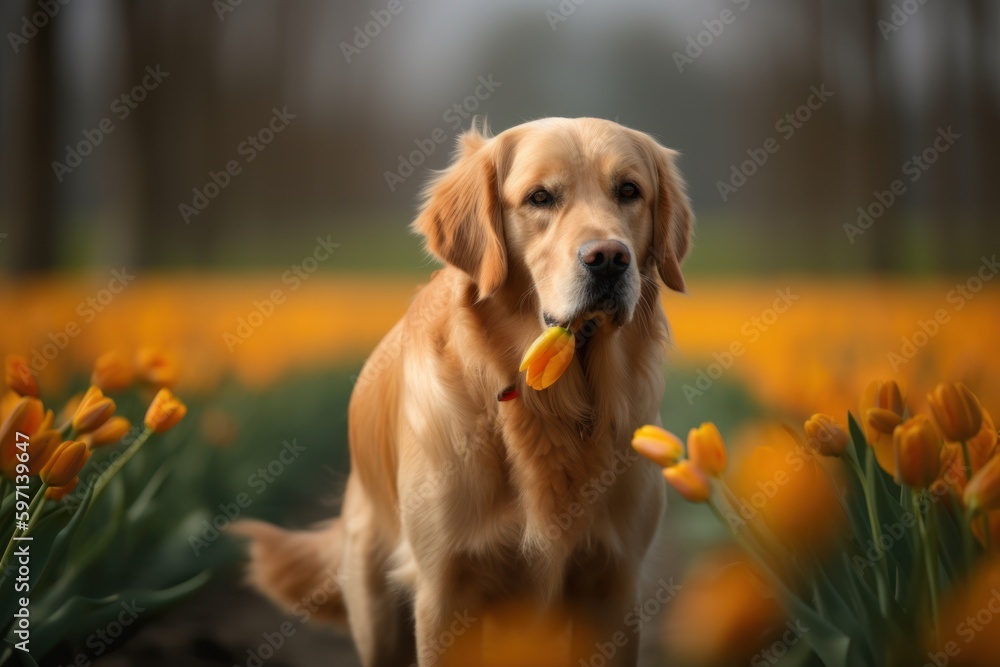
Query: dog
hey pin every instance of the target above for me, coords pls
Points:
(468, 489)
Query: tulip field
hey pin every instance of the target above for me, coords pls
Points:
(828, 446)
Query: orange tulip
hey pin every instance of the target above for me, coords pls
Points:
(886, 396)
(548, 357)
(788, 489)
(982, 447)
(164, 412)
(725, 613)
(658, 445)
(983, 492)
(43, 445)
(112, 372)
(68, 410)
(956, 411)
(879, 425)
(917, 444)
(826, 436)
(155, 367)
(65, 464)
(706, 449)
(19, 376)
(94, 410)
(109, 433)
(26, 417)
(60, 492)
(689, 481)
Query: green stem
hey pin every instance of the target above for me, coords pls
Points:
(882, 571)
(34, 508)
(969, 540)
(3, 487)
(967, 460)
(120, 463)
(928, 537)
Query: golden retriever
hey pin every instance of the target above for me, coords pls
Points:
(468, 489)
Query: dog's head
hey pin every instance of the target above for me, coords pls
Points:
(586, 209)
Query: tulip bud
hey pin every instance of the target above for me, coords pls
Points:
(918, 452)
(65, 464)
(19, 377)
(164, 412)
(43, 445)
(689, 481)
(94, 410)
(548, 357)
(110, 433)
(155, 367)
(879, 425)
(826, 436)
(112, 372)
(658, 445)
(956, 411)
(983, 492)
(706, 449)
(886, 395)
(60, 492)
(25, 416)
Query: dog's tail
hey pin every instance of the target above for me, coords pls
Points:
(298, 570)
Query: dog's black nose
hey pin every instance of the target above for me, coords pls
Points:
(605, 259)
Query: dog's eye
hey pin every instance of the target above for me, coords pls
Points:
(541, 197)
(628, 191)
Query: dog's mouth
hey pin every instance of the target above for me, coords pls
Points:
(595, 314)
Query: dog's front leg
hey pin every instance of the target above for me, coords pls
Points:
(446, 619)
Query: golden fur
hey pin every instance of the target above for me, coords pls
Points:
(457, 502)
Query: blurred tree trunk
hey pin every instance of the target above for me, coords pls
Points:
(986, 119)
(878, 166)
(36, 148)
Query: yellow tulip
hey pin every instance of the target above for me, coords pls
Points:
(917, 444)
(658, 445)
(706, 449)
(956, 411)
(110, 433)
(880, 424)
(689, 481)
(94, 410)
(60, 492)
(19, 377)
(155, 367)
(826, 436)
(112, 372)
(65, 464)
(983, 492)
(548, 357)
(164, 412)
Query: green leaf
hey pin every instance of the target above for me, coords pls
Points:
(20, 657)
(79, 615)
(144, 501)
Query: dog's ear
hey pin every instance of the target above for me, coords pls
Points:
(672, 219)
(462, 218)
